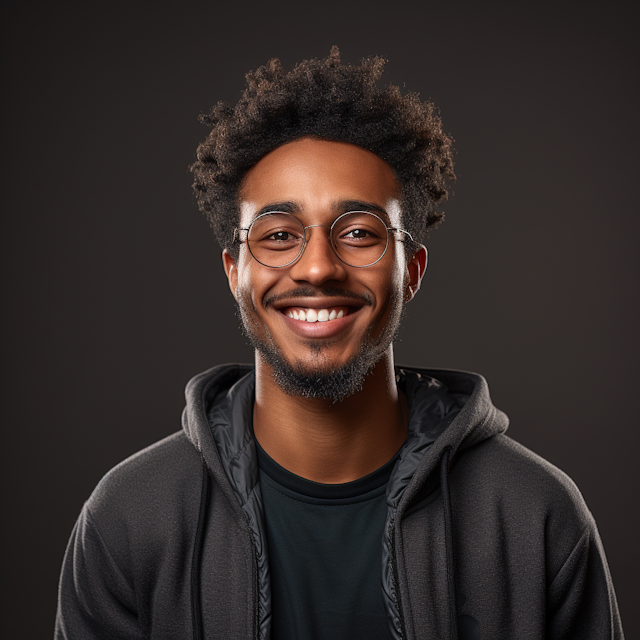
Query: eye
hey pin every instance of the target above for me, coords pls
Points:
(357, 234)
(281, 236)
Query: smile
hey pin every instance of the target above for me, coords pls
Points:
(314, 318)
(309, 314)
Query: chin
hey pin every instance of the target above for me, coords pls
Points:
(320, 380)
(320, 376)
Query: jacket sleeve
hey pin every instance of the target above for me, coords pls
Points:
(581, 600)
(95, 600)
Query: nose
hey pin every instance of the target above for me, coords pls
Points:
(318, 262)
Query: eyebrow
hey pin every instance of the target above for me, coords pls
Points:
(284, 207)
(358, 205)
(342, 206)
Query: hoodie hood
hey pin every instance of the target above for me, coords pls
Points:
(477, 419)
(448, 412)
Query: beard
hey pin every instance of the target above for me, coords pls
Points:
(322, 380)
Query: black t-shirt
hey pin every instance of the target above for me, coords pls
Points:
(325, 554)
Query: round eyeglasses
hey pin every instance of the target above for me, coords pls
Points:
(277, 239)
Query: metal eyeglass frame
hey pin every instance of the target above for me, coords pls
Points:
(236, 237)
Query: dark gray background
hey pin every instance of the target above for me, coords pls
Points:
(114, 295)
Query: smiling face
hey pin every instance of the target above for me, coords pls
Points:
(319, 323)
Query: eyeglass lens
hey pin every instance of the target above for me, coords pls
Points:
(359, 238)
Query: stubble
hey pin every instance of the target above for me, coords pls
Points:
(321, 380)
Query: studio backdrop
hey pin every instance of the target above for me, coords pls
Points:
(113, 288)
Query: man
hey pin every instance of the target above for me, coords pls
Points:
(327, 493)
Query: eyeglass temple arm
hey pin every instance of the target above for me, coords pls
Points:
(236, 233)
(402, 230)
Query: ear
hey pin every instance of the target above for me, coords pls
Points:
(231, 269)
(416, 268)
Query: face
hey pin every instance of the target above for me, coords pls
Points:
(318, 180)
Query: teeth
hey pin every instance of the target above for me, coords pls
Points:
(315, 315)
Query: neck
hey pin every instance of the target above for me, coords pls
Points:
(331, 442)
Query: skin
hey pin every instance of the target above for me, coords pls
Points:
(315, 438)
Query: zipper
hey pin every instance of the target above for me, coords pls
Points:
(394, 576)
(256, 594)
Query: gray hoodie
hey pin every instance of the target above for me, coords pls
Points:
(484, 539)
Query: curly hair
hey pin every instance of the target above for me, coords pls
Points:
(332, 101)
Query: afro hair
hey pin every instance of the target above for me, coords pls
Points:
(332, 101)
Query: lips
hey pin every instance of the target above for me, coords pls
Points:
(319, 317)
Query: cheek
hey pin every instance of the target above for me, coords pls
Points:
(396, 277)
(245, 275)
(400, 265)
(388, 289)
(254, 281)
(243, 290)
(401, 275)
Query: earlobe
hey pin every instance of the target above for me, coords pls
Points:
(416, 268)
(231, 269)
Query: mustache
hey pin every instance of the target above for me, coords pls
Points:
(311, 292)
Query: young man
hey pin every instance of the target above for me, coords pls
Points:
(327, 493)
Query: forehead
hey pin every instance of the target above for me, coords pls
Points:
(317, 177)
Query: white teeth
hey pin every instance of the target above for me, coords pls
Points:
(315, 315)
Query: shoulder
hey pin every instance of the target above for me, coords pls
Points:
(506, 465)
(160, 484)
(166, 463)
(523, 494)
